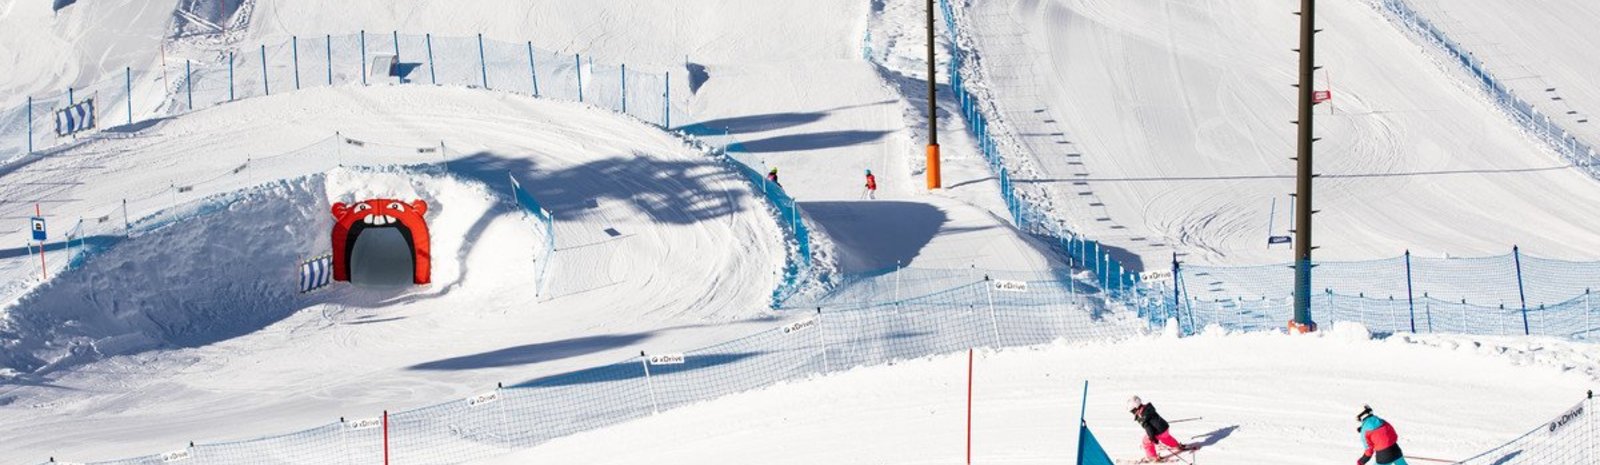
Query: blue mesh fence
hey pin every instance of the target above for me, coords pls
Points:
(526, 201)
(1028, 214)
(514, 417)
(1569, 438)
(1579, 153)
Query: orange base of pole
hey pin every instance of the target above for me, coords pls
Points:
(934, 180)
(1297, 328)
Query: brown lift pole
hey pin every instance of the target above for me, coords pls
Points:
(1303, 173)
(934, 181)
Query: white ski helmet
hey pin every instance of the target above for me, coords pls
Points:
(1134, 403)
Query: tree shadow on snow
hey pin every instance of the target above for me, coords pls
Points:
(871, 236)
(635, 370)
(534, 353)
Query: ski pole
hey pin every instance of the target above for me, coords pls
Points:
(1186, 419)
(1426, 459)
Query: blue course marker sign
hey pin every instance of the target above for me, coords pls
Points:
(36, 224)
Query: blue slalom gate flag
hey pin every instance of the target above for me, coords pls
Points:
(1089, 450)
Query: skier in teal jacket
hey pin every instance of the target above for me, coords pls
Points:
(1382, 443)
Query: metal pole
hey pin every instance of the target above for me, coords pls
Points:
(483, 65)
(533, 71)
(994, 321)
(363, 64)
(294, 45)
(397, 78)
(822, 341)
(1411, 301)
(230, 77)
(329, 42)
(1303, 173)
(1175, 271)
(624, 87)
(577, 66)
(432, 78)
(666, 101)
(128, 72)
(1516, 255)
(645, 360)
(265, 85)
(30, 124)
(188, 82)
(934, 181)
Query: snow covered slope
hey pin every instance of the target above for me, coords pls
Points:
(45, 51)
(1545, 54)
(1249, 398)
(1168, 122)
(658, 246)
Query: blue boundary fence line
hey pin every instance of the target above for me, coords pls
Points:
(1580, 154)
(1116, 280)
(526, 201)
(797, 267)
(522, 414)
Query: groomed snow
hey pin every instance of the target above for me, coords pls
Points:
(694, 262)
(1251, 398)
(1165, 126)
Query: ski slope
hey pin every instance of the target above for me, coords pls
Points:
(1165, 126)
(662, 249)
(46, 51)
(190, 334)
(1248, 398)
(1543, 54)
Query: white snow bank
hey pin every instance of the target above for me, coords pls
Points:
(1252, 398)
(223, 274)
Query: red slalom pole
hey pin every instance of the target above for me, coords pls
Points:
(385, 437)
(969, 406)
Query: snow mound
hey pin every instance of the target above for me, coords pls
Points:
(234, 270)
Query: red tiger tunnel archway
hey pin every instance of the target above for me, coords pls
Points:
(377, 217)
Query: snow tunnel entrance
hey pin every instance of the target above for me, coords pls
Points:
(382, 242)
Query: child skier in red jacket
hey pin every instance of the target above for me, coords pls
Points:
(1155, 428)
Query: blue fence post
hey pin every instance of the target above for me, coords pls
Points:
(294, 46)
(432, 78)
(230, 76)
(577, 66)
(1411, 301)
(1173, 312)
(666, 101)
(1516, 254)
(362, 67)
(1427, 309)
(624, 88)
(128, 72)
(188, 83)
(69, 96)
(30, 124)
(532, 71)
(483, 65)
(397, 78)
(265, 85)
(329, 42)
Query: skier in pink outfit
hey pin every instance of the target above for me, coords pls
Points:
(1155, 428)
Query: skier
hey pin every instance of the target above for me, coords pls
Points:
(773, 176)
(1155, 429)
(1379, 437)
(872, 186)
